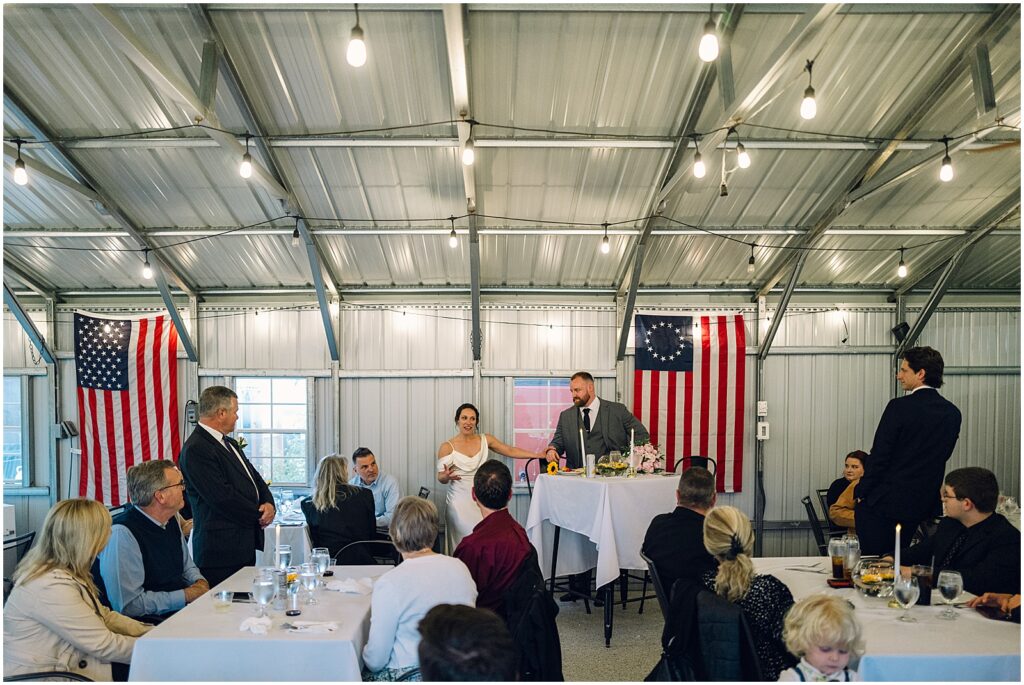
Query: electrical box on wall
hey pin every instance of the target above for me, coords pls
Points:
(762, 430)
(762, 407)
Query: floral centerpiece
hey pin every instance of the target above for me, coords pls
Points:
(648, 458)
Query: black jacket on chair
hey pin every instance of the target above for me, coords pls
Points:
(350, 520)
(726, 641)
(675, 543)
(530, 616)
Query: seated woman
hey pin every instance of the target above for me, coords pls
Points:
(339, 513)
(841, 511)
(853, 469)
(401, 597)
(764, 599)
(53, 620)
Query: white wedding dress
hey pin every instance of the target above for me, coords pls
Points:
(461, 514)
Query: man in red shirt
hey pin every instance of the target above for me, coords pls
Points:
(497, 547)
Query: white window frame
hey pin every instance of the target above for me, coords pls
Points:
(511, 385)
(25, 390)
(310, 422)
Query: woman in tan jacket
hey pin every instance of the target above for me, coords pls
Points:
(841, 512)
(53, 619)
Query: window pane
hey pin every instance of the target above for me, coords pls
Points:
(290, 470)
(13, 463)
(537, 402)
(263, 466)
(294, 445)
(290, 416)
(12, 386)
(259, 446)
(254, 416)
(291, 390)
(253, 390)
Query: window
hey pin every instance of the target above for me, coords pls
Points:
(536, 404)
(14, 432)
(273, 419)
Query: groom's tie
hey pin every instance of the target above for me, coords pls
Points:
(586, 418)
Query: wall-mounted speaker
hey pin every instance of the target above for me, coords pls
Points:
(900, 330)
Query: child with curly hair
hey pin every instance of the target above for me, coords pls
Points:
(824, 633)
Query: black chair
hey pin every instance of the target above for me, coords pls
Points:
(20, 545)
(424, 493)
(48, 675)
(823, 501)
(696, 460)
(816, 529)
(383, 551)
(526, 468)
(659, 590)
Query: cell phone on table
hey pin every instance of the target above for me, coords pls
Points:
(245, 597)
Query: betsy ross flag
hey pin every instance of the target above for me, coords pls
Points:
(127, 372)
(689, 389)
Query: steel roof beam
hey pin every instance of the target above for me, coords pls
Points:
(11, 152)
(773, 328)
(321, 290)
(43, 290)
(28, 325)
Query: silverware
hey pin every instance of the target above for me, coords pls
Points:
(804, 570)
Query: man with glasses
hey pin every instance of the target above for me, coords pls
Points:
(145, 569)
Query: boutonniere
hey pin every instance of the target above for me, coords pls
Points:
(242, 442)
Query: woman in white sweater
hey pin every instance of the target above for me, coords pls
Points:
(402, 597)
(53, 619)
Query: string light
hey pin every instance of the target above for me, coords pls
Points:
(742, 156)
(698, 164)
(20, 175)
(453, 239)
(946, 171)
(750, 262)
(605, 246)
(708, 48)
(809, 107)
(295, 234)
(245, 169)
(901, 270)
(356, 53)
(469, 149)
(147, 270)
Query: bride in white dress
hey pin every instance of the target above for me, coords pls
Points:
(457, 462)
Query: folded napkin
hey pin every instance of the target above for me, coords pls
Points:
(257, 625)
(313, 627)
(362, 586)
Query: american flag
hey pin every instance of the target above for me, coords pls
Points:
(127, 373)
(689, 389)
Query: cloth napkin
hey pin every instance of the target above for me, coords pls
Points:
(313, 627)
(363, 586)
(257, 625)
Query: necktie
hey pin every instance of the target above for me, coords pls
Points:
(586, 419)
(951, 554)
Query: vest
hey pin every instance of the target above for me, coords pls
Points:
(161, 551)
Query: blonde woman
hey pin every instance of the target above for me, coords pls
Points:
(339, 513)
(53, 620)
(764, 599)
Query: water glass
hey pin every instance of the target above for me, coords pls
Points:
(951, 586)
(837, 552)
(589, 465)
(262, 592)
(284, 556)
(852, 557)
(321, 556)
(308, 578)
(222, 601)
(906, 590)
(923, 573)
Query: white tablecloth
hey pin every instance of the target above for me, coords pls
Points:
(294, 533)
(198, 643)
(970, 648)
(603, 520)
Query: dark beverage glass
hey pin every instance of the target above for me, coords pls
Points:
(924, 580)
(837, 567)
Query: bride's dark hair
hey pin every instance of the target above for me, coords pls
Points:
(467, 405)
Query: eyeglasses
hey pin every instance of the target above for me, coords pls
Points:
(944, 496)
(181, 485)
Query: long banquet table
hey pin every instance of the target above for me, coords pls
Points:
(199, 643)
(971, 648)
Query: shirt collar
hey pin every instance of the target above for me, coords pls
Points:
(162, 525)
(594, 405)
(213, 431)
(921, 387)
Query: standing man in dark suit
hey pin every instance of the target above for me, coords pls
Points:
(231, 503)
(605, 426)
(914, 440)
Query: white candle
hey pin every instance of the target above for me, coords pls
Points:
(632, 442)
(583, 449)
(277, 537)
(896, 565)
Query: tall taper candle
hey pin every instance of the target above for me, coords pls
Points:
(277, 538)
(632, 442)
(583, 450)
(896, 564)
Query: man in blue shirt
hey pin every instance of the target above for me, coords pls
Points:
(146, 568)
(383, 486)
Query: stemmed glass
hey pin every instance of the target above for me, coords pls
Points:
(951, 586)
(262, 591)
(321, 556)
(906, 591)
(308, 578)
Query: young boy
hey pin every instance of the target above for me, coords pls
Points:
(824, 633)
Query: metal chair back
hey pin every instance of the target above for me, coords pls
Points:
(381, 550)
(696, 460)
(659, 590)
(816, 530)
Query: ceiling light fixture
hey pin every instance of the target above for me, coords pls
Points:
(245, 168)
(809, 107)
(469, 149)
(699, 170)
(708, 48)
(750, 262)
(605, 246)
(453, 239)
(295, 234)
(946, 171)
(20, 175)
(147, 270)
(901, 270)
(356, 53)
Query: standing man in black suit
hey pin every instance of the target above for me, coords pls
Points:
(914, 440)
(605, 425)
(231, 502)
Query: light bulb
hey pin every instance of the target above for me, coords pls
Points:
(245, 168)
(356, 53)
(945, 173)
(698, 166)
(605, 245)
(742, 157)
(295, 237)
(901, 270)
(453, 239)
(808, 108)
(469, 152)
(708, 48)
(750, 265)
(147, 270)
(20, 175)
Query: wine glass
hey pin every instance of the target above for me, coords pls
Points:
(906, 591)
(308, 578)
(951, 586)
(262, 592)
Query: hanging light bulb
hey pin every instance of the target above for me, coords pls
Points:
(295, 235)
(356, 53)
(708, 48)
(453, 239)
(742, 156)
(750, 262)
(245, 168)
(469, 149)
(20, 175)
(946, 171)
(605, 245)
(147, 270)
(698, 164)
(809, 107)
(901, 270)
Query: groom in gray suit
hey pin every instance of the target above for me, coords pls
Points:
(605, 426)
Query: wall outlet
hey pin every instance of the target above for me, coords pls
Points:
(762, 430)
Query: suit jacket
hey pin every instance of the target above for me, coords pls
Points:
(675, 543)
(610, 431)
(988, 560)
(914, 440)
(225, 505)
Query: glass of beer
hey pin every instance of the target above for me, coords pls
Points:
(837, 551)
(923, 573)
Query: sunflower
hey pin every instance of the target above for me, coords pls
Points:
(552, 468)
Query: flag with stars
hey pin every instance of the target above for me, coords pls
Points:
(127, 373)
(688, 389)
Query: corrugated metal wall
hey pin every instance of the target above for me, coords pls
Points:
(405, 368)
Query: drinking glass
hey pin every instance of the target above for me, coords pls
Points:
(286, 501)
(852, 543)
(321, 556)
(906, 590)
(923, 573)
(284, 556)
(222, 601)
(951, 586)
(262, 592)
(837, 551)
(308, 578)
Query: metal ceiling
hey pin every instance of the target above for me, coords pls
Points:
(378, 201)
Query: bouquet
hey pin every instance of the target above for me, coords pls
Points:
(647, 458)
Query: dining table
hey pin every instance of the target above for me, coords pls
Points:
(202, 643)
(969, 648)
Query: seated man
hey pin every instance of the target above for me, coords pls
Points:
(463, 644)
(971, 538)
(498, 545)
(383, 486)
(146, 568)
(675, 541)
